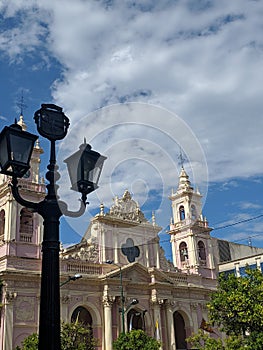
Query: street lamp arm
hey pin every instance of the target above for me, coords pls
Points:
(75, 214)
(15, 192)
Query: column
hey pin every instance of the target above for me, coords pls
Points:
(194, 308)
(170, 325)
(156, 315)
(9, 320)
(107, 301)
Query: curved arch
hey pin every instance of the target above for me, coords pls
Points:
(96, 318)
(183, 251)
(82, 315)
(26, 225)
(136, 319)
(2, 225)
(186, 316)
(201, 250)
(179, 330)
(181, 213)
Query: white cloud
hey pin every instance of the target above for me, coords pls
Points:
(201, 60)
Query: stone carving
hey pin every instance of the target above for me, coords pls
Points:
(108, 300)
(65, 299)
(126, 208)
(25, 309)
(193, 306)
(10, 296)
(88, 251)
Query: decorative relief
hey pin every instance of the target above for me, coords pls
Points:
(108, 300)
(10, 296)
(89, 251)
(170, 303)
(126, 208)
(65, 299)
(155, 300)
(25, 309)
(193, 306)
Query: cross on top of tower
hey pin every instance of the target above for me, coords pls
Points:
(21, 104)
(181, 158)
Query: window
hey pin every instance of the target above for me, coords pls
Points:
(130, 250)
(183, 251)
(2, 225)
(136, 319)
(82, 315)
(181, 213)
(201, 251)
(26, 225)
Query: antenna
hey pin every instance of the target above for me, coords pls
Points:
(181, 158)
(21, 104)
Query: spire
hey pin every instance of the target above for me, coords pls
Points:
(184, 183)
(21, 104)
(22, 123)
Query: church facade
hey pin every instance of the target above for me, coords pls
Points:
(126, 283)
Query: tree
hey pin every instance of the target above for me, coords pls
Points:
(237, 305)
(136, 340)
(237, 309)
(74, 336)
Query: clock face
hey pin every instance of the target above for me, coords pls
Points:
(27, 174)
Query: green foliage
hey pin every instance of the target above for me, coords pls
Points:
(136, 340)
(237, 305)
(29, 343)
(202, 340)
(74, 336)
(237, 308)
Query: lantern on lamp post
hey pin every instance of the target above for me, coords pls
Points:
(16, 148)
(84, 168)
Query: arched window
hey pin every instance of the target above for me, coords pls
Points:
(26, 225)
(183, 251)
(180, 332)
(201, 251)
(2, 225)
(136, 319)
(182, 212)
(193, 212)
(82, 315)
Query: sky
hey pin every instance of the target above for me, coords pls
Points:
(143, 81)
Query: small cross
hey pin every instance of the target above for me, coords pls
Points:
(21, 104)
(181, 158)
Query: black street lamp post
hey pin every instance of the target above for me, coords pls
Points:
(16, 147)
(134, 301)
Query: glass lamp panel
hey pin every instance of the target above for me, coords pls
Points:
(94, 175)
(74, 169)
(3, 152)
(21, 149)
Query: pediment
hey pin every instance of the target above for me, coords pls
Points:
(137, 273)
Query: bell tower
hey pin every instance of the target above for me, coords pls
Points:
(189, 231)
(21, 229)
